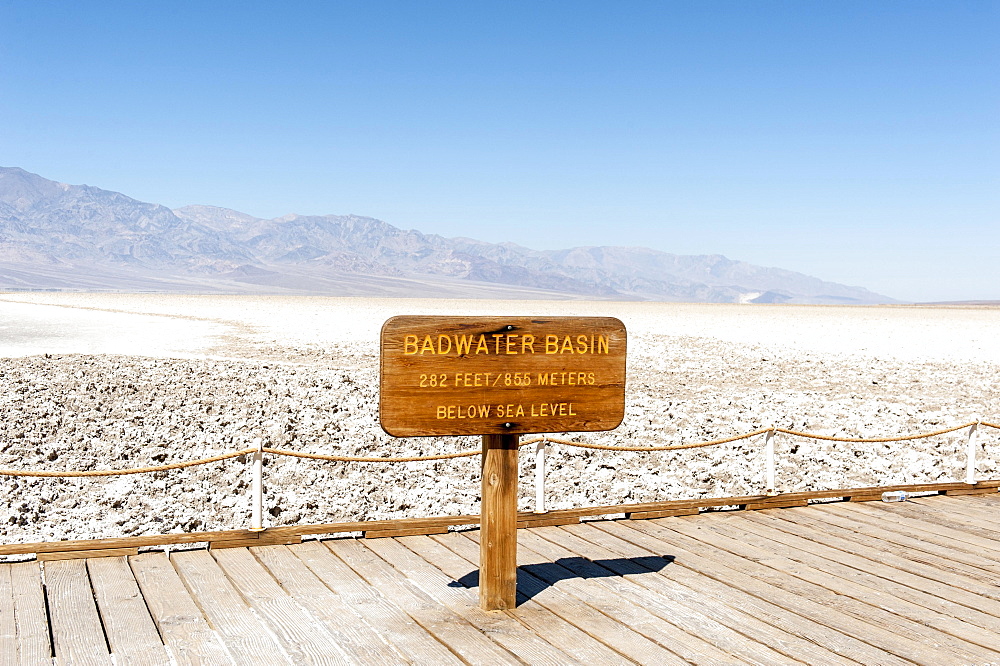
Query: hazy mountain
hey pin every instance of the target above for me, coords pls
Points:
(58, 236)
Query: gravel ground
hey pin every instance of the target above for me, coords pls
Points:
(315, 391)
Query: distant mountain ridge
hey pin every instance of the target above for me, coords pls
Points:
(58, 236)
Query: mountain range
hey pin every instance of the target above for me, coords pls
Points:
(77, 237)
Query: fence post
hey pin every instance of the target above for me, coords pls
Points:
(257, 488)
(970, 455)
(769, 456)
(498, 524)
(540, 476)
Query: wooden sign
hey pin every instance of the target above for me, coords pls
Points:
(501, 375)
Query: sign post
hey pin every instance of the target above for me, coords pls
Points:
(500, 377)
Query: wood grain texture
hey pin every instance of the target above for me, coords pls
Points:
(247, 639)
(181, 625)
(304, 638)
(502, 628)
(622, 601)
(360, 640)
(410, 639)
(887, 630)
(76, 626)
(708, 617)
(875, 583)
(8, 623)
(819, 644)
(571, 603)
(128, 626)
(498, 549)
(87, 554)
(448, 627)
(969, 586)
(33, 645)
(412, 531)
(501, 375)
(688, 622)
(858, 640)
(549, 626)
(263, 540)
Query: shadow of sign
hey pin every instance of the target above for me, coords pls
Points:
(532, 579)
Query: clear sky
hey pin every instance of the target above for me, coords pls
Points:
(855, 141)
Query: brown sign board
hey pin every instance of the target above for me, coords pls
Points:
(501, 375)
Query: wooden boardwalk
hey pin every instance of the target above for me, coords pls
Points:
(870, 583)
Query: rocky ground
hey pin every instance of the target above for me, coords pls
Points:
(97, 411)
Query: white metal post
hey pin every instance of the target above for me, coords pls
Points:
(970, 455)
(257, 489)
(769, 455)
(540, 476)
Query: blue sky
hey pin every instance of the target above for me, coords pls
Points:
(855, 141)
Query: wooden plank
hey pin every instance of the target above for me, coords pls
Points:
(647, 515)
(903, 520)
(932, 643)
(76, 625)
(263, 540)
(927, 542)
(127, 624)
(498, 552)
(414, 642)
(695, 636)
(816, 604)
(33, 645)
(778, 503)
(971, 490)
(545, 521)
(359, 639)
(651, 642)
(304, 638)
(178, 619)
(499, 627)
(861, 497)
(247, 639)
(970, 587)
(876, 545)
(8, 623)
(627, 643)
(120, 542)
(84, 554)
(871, 582)
(978, 510)
(544, 623)
(711, 593)
(414, 531)
(674, 599)
(944, 511)
(448, 627)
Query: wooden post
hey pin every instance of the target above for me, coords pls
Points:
(498, 524)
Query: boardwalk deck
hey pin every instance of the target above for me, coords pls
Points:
(836, 583)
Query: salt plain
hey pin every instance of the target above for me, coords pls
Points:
(96, 381)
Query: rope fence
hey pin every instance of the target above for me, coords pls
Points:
(540, 444)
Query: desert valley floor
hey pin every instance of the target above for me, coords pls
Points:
(97, 381)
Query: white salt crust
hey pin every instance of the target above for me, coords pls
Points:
(95, 381)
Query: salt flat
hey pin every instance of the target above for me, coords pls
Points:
(902, 332)
(131, 380)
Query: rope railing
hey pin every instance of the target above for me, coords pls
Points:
(475, 452)
(540, 442)
(123, 472)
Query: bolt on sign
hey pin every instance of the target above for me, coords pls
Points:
(501, 375)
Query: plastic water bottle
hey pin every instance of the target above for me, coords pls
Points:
(895, 496)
